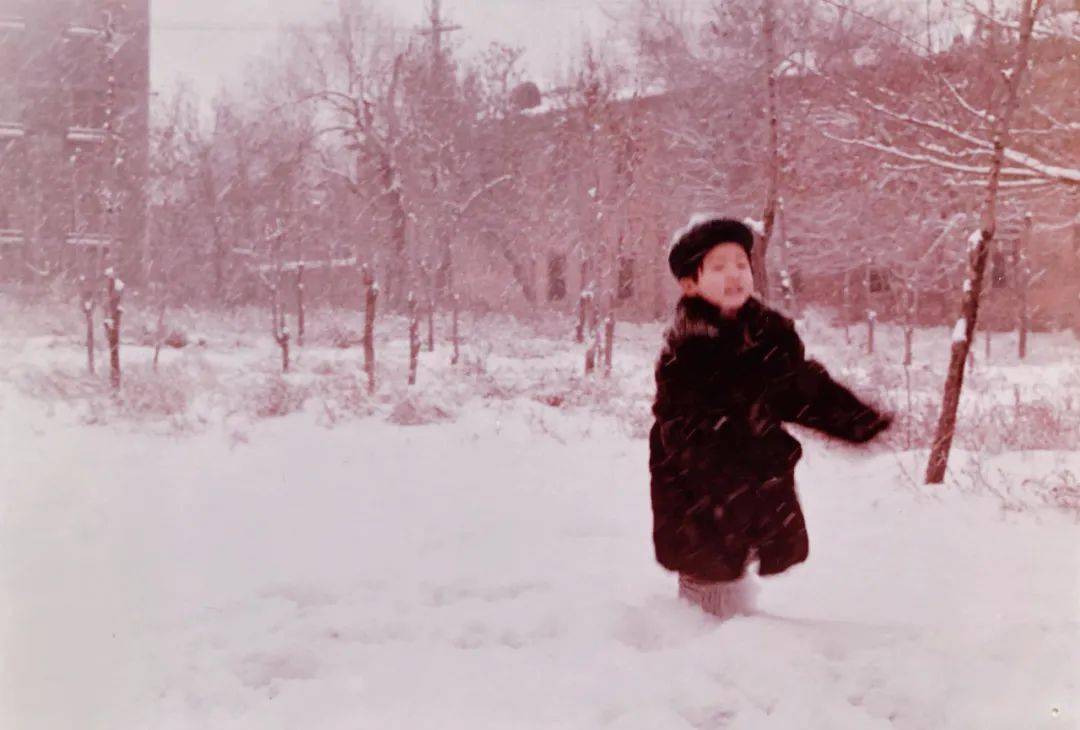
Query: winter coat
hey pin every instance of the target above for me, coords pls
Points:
(722, 465)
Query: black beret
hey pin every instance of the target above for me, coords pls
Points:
(697, 239)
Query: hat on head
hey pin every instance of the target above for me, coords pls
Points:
(695, 240)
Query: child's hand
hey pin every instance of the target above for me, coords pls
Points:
(869, 425)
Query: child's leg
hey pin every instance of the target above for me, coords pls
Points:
(742, 594)
(723, 599)
(706, 595)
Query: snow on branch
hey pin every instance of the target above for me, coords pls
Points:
(931, 160)
(1058, 173)
(487, 187)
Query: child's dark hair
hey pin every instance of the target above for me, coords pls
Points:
(699, 238)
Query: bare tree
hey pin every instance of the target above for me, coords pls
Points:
(370, 300)
(978, 246)
(414, 336)
(279, 329)
(114, 288)
(353, 72)
(87, 306)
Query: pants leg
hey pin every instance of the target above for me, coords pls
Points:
(722, 599)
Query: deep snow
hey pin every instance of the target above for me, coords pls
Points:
(495, 570)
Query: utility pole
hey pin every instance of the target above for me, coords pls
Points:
(439, 95)
(436, 29)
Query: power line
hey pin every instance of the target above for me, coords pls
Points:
(232, 28)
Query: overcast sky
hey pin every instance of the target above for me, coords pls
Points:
(211, 41)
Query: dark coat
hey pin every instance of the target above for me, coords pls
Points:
(722, 465)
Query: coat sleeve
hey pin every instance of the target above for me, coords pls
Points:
(811, 397)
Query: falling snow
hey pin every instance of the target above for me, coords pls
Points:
(267, 499)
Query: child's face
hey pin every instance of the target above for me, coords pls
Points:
(724, 279)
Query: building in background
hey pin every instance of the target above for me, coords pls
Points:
(74, 116)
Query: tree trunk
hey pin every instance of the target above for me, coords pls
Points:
(909, 324)
(159, 335)
(761, 248)
(396, 271)
(279, 329)
(113, 289)
(429, 306)
(1023, 279)
(444, 277)
(414, 337)
(88, 312)
(300, 304)
(609, 342)
(284, 342)
(583, 308)
(455, 335)
(787, 282)
(659, 278)
(518, 269)
(845, 299)
(371, 299)
(871, 315)
(978, 249)
(219, 263)
(592, 352)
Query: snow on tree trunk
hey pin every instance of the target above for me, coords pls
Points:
(114, 288)
(787, 285)
(761, 248)
(414, 337)
(592, 352)
(370, 300)
(584, 302)
(978, 249)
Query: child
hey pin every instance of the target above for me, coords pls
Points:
(722, 466)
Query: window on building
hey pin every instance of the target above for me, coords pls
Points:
(11, 60)
(80, 59)
(999, 269)
(9, 219)
(10, 25)
(11, 106)
(87, 109)
(13, 185)
(625, 282)
(556, 277)
(877, 280)
(88, 190)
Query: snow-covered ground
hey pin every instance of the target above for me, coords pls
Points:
(205, 566)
